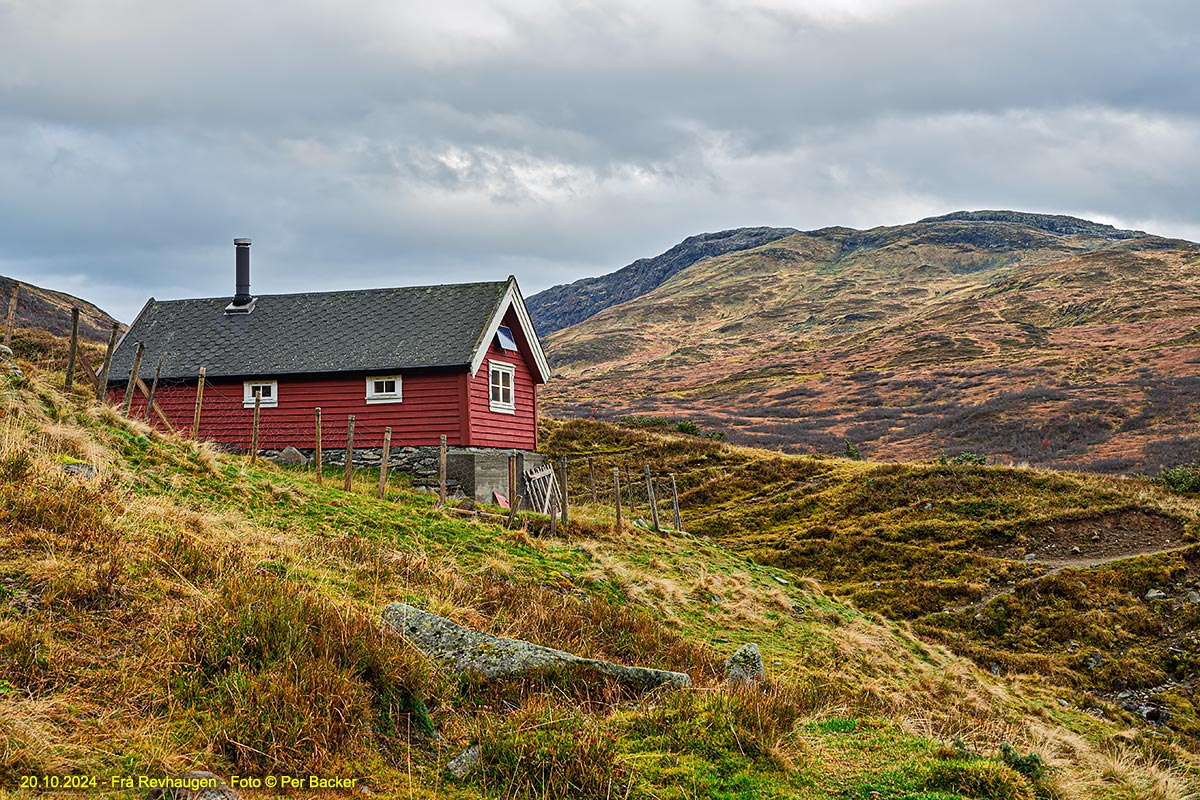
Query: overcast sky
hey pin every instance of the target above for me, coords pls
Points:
(391, 142)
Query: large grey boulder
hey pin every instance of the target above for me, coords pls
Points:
(745, 665)
(497, 657)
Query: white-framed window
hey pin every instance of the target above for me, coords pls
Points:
(267, 390)
(383, 388)
(500, 387)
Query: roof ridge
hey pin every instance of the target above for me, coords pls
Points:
(225, 298)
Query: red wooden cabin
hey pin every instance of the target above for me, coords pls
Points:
(461, 360)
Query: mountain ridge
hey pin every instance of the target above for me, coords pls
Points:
(1031, 338)
(566, 304)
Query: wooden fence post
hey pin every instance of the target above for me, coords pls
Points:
(553, 514)
(512, 490)
(12, 314)
(592, 481)
(617, 493)
(349, 451)
(566, 499)
(383, 465)
(102, 378)
(442, 472)
(74, 349)
(132, 384)
(650, 498)
(199, 403)
(154, 391)
(629, 484)
(675, 503)
(317, 442)
(254, 432)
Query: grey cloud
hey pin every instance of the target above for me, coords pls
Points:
(375, 142)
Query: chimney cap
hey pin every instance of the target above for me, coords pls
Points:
(241, 242)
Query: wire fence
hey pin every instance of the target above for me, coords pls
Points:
(625, 480)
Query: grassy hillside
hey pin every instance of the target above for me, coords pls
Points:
(1018, 336)
(1087, 583)
(181, 609)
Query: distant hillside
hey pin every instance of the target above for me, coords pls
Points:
(48, 310)
(1027, 337)
(560, 306)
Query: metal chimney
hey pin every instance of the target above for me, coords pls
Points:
(242, 296)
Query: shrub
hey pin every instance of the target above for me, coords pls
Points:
(851, 451)
(688, 427)
(980, 778)
(281, 678)
(1184, 478)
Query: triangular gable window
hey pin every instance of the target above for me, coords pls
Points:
(505, 338)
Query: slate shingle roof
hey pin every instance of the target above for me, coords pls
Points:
(352, 331)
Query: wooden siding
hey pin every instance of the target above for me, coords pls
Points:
(496, 429)
(432, 405)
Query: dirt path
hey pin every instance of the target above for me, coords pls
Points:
(1085, 543)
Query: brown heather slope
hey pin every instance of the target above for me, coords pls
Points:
(1028, 338)
(41, 309)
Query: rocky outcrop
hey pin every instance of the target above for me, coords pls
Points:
(470, 651)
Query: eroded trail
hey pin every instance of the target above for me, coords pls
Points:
(1085, 543)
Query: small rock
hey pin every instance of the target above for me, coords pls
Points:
(1031, 557)
(85, 471)
(1193, 597)
(1095, 660)
(994, 668)
(290, 455)
(1151, 713)
(464, 762)
(1063, 703)
(194, 786)
(1075, 551)
(1095, 537)
(780, 580)
(1156, 594)
(745, 665)
(467, 504)
(1119, 685)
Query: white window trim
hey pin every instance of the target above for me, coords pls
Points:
(372, 397)
(496, 405)
(248, 394)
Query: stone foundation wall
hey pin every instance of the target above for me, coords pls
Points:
(478, 471)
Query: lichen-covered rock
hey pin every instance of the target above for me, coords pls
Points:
(496, 656)
(464, 762)
(745, 665)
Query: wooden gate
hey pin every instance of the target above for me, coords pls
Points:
(541, 487)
